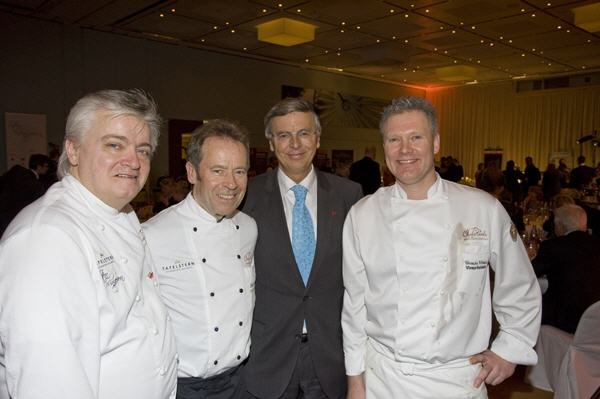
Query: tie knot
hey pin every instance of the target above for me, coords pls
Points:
(300, 193)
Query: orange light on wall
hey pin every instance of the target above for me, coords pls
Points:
(286, 32)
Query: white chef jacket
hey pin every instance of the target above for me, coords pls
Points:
(80, 312)
(206, 270)
(417, 283)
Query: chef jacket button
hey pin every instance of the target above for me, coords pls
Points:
(138, 298)
(212, 294)
(195, 229)
(155, 331)
(156, 283)
(216, 362)
(124, 260)
(216, 328)
(239, 257)
(237, 227)
(432, 324)
(238, 357)
(241, 323)
(241, 290)
(442, 292)
(445, 259)
(162, 371)
(101, 227)
(203, 260)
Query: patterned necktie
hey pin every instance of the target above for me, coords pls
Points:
(303, 235)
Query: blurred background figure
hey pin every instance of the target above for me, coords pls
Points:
(582, 175)
(20, 186)
(532, 174)
(551, 182)
(571, 264)
(165, 187)
(366, 172)
(342, 169)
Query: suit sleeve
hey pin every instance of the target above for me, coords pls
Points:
(354, 314)
(49, 317)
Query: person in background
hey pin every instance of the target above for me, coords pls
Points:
(296, 347)
(551, 182)
(366, 172)
(81, 315)
(564, 173)
(571, 263)
(582, 175)
(203, 248)
(417, 313)
(20, 186)
(342, 168)
(165, 187)
(532, 175)
(479, 174)
(512, 181)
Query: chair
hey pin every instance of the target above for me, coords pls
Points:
(569, 364)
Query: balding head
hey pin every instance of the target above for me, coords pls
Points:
(568, 218)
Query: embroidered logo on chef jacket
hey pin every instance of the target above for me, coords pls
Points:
(475, 248)
(513, 232)
(178, 266)
(106, 267)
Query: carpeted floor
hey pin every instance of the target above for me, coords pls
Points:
(516, 388)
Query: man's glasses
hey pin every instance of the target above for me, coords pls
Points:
(302, 135)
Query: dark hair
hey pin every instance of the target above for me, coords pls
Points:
(215, 128)
(36, 160)
(287, 106)
(409, 103)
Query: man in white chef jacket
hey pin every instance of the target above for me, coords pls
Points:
(418, 254)
(80, 312)
(203, 248)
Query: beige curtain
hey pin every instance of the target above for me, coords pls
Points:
(537, 124)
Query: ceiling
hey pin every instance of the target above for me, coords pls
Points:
(396, 41)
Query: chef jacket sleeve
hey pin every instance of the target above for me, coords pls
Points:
(516, 296)
(49, 316)
(354, 314)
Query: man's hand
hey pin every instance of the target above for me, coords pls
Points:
(494, 369)
(356, 387)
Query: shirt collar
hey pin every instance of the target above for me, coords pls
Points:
(286, 183)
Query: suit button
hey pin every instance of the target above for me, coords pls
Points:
(305, 298)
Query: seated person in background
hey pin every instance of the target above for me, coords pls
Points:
(164, 197)
(534, 200)
(571, 263)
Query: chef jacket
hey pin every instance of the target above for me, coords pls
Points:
(206, 270)
(81, 316)
(417, 284)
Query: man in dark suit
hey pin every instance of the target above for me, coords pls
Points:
(20, 186)
(582, 175)
(366, 172)
(296, 349)
(571, 263)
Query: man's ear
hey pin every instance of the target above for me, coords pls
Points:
(72, 152)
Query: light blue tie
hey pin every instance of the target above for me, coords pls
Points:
(303, 235)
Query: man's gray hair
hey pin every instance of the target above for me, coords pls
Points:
(221, 128)
(83, 115)
(570, 217)
(409, 103)
(287, 106)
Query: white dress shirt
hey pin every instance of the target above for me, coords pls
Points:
(206, 270)
(416, 274)
(81, 316)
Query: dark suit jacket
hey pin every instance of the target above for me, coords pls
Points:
(19, 187)
(367, 173)
(572, 265)
(282, 301)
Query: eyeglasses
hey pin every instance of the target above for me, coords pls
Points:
(302, 135)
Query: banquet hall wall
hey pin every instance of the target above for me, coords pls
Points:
(45, 67)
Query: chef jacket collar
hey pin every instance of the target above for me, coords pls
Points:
(436, 190)
(95, 203)
(196, 211)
